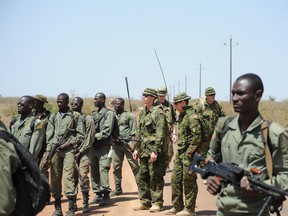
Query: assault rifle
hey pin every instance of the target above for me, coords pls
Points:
(231, 173)
(124, 143)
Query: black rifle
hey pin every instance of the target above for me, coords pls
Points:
(124, 143)
(231, 173)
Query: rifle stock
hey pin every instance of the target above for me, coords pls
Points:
(231, 173)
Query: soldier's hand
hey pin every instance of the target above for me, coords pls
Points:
(213, 185)
(174, 138)
(246, 188)
(153, 157)
(135, 154)
(65, 145)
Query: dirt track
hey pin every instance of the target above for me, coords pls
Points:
(122, 205)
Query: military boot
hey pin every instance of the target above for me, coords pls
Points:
(58, 209)
(106, 199)
(97, 198)
(71, 207)
(85, 202)
(118, 190)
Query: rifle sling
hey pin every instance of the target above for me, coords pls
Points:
(268, 157)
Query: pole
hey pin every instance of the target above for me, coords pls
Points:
(128, 94)
(230, 70)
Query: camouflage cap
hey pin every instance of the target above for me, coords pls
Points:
(41, 98)
(150, 91)
(162, 91)
(210, 91)
(181, 97)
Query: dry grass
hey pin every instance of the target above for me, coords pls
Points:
(270, 110)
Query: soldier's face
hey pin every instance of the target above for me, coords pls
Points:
(62, 103)
(244, 98)
(98, 100)
(118, 106)
(210, 99)
(76, 106)
(161, 98)
(23, 106)
(148, 99)
(179, 106)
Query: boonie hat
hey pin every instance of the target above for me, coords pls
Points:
(150, 91)
(41, 98)
(210, 91)
(181, 97)
(162, 91)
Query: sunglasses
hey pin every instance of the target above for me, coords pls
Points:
(74, 104)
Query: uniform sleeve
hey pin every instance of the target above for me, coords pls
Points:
(132, 124)
(106, 124)
(80, 133)
(9, 162)
(160, 132)
(37, 138)
(50, 139)
(195, 129)
(89, 135)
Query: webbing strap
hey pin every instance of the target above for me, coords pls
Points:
(268, 157)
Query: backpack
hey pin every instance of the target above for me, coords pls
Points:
(32, 189)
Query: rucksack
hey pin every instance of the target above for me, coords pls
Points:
(32, 189)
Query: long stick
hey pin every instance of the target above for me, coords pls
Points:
(161, 70)
(128, 93)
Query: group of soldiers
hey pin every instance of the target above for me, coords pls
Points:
(79, 144)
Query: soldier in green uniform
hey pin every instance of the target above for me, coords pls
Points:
(83, 152)
(170, 114)
(189, 139)
(103, 120)
(124, 145)
(150, 150)
(64, 126)
(29, 130)
(243, 144)
(10, 162)
(210, 111)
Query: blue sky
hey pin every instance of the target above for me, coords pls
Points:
(84, 47)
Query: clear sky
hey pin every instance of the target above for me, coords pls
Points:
(85, 47)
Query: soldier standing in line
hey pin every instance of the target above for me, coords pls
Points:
(170, 114)
(29, 130)
(189, 139)
(43, 114)
(83, 152)
(127, 131)
(64, 126)
(100, 166)
(150, 150)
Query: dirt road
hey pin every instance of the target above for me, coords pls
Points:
(122, 205)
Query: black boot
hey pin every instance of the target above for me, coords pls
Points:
(85, 202)
(97, 198)
(118, 190)
(71, 208)
(106, 199)
(58, 209)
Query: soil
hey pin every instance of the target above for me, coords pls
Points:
(123, 204)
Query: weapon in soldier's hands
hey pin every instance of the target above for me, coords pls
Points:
(128, 93)
(124, 143)
(231, 173)
(46, 160)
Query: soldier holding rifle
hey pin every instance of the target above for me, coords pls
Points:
(65, 126)
(123, 146)
(240, 140)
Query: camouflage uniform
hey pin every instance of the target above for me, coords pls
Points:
(30, 132)
(189, 139)
(151, 132)
(127, 129)
(247, 150)
(63, 161)
(209, 114)
(9, 161)
(100, 150)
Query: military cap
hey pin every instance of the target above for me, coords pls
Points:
(150, 91)
(41, 98)
(210, 91)
(162, 91)
(181, 97)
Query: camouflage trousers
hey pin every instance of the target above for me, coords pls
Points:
(151, 181)
(63, 164)
(82, 178)
(183, 182)
(117, 161)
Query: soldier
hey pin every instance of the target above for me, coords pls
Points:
(29, 130)
(64, 126)
(83, 150)
(150, 150)
(243, 144)
(171, 120)
(103, 120)
(10, 162)
(189, 139)
(43, 114)
(124, 145)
